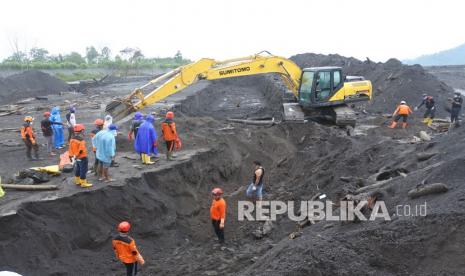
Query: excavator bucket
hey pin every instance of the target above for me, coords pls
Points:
(119, 109)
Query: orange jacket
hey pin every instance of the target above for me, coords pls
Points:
(125, 249)
(218, 209)
(169, 131)
(27, 133)
(403, 109)
(77, 147)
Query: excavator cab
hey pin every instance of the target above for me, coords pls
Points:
(325, 86)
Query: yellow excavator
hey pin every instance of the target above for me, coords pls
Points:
(321, 89)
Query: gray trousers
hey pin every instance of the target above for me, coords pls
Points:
(49, 141)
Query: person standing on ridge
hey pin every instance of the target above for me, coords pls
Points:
(29, 138)
(47, 131)
(170, 135)
(98, 127)
(105, 143)
(126, 250)
(71, 119)
(78, 152)
(135, 124)
(218, 213)
(428, 102)
(255, 189)
(58, 135)
(402, 111)
(146, 140)
(456, 108)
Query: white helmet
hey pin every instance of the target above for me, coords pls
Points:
(403, 102)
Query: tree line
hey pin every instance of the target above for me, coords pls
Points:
(128, 58)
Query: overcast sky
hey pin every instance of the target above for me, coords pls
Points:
(378, 29)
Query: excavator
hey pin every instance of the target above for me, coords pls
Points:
(320, 90)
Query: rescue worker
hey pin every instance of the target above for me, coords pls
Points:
(402, 111)
(105, 143)
(47, 131)
(428, 102)
(98, 127)
(170, 135)
(108, 121)
(456, 108)
(218, 213)
(146, 140)
(58, 135)
(255, 189)
(135, 124)
(78, 152)
(29, 138)
(71, 118)
(126, 250)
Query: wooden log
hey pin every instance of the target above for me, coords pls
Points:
(253, 122)
(434, 188)
(30, 187)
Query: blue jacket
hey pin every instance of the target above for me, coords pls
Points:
(146, 137)
(105, 143)
(58, 135)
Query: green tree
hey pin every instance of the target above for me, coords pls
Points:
(38, 54)
(74, 57)
(178, 56)
(106, 54)
(18, 56)
(91, 54)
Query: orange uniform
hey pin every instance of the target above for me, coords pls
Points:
(125, 249)
(169, 131)
(218, 209)
(28, 134)
(77, 147)
(403, 109)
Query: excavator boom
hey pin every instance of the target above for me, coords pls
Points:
(313, 87)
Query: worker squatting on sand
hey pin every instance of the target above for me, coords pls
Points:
(126, 250)
(402, 111)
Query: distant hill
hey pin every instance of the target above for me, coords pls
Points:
(454, 56)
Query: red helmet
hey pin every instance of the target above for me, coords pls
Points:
(79, 128)
(46, 114)
(124, 226)
(98, 122)
(169, 115)
(217, 191)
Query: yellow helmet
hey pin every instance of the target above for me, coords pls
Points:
(28, 119)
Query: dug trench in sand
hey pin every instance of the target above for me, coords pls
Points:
(69, 232)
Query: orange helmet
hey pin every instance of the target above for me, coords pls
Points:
(28, 119)
(46, 114)
(169, 115)
(98, 122)
(217, 191)
(79, 128)
(124, 226)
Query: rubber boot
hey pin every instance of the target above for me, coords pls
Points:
(142, 156)
(77, 180)
(430, 121)
(85, 184)
(393, 124)
(404, 125)
(169, 156)
(147, 160)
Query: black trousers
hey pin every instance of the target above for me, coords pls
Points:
(399, 116)
(454, 114)
(429, 113)
(169, 145)
(131, 269)
(219, 232)
(81, 167)
(70, 133)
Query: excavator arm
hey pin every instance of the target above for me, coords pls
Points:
(208, 69)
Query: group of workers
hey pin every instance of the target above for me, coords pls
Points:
(103, 138)
(403, 110)
(125, 247)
